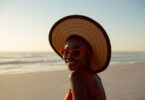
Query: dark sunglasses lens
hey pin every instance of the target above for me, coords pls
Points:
(75, 53)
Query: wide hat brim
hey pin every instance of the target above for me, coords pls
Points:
(88, 29)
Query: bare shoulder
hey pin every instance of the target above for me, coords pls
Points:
(77, 75)
(78, 86)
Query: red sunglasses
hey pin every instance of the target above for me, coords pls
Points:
(73, 52)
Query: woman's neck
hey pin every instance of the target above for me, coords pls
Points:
(87, 69)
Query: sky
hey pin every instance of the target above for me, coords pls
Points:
(25, 24)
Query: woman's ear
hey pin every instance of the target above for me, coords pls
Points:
(89, 55)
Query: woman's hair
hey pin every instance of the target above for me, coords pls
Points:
(75, 37)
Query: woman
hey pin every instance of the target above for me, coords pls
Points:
(85, 47)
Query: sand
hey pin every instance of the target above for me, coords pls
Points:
(121, 82)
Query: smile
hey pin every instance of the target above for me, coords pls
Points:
(71, 62)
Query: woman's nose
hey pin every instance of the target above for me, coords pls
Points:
(69, 56)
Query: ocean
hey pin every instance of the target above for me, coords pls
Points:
(23, 62)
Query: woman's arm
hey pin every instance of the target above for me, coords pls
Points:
(78, 85)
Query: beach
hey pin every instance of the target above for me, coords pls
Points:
(121, 82)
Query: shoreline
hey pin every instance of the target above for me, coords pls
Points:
(63, 69)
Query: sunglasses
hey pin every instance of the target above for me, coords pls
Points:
(73, 52)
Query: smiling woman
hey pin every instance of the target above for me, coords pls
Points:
(85, 48)
(77, 53)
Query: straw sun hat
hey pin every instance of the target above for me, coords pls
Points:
(88, 29)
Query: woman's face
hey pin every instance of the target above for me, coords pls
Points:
(76, 62)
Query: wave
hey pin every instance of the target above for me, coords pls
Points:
(29, 62)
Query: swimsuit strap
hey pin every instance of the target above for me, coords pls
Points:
(89, 77)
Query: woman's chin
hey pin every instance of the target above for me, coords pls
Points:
(72, 67)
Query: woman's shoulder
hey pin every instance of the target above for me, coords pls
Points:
(77, 76)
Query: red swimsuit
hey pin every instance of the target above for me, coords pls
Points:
(69, 94)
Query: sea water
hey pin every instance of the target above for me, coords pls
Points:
(17, 62)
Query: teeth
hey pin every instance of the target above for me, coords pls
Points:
(71, 62)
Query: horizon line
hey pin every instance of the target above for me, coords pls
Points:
(54, 51)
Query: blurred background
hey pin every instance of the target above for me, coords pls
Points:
(24, 48)
(25, 25)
